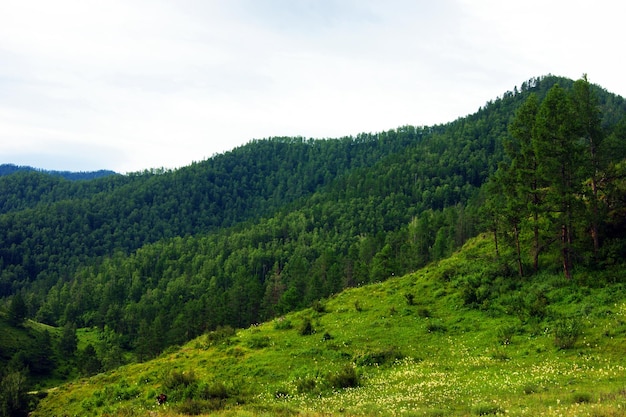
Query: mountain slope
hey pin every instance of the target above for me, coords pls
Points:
(414, 345)
(338, 213)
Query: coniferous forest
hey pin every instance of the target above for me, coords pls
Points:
(153, 259)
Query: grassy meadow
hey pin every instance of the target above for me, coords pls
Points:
(464, 337)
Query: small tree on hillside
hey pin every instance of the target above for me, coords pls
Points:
(17, 310)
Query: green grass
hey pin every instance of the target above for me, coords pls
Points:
(469, 341)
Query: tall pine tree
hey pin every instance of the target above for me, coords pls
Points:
(558, 153)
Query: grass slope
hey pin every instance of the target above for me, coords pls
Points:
(459, 338)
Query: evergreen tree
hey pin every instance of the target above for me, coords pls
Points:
(521, 183)
(69, 341)
(558, 153)
(89, 362)
(17, 310)
(13, 394)
(588, 120)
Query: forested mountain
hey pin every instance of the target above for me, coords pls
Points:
(51, 225)
(8, 169)
(155, 258)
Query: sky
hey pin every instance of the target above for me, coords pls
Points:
(130, 85)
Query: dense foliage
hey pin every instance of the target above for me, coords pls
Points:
(563, 182)
(8, 169)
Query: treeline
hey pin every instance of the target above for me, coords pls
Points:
(8, 169)
(560, 192)
(50, 226)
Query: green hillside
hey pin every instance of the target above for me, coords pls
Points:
(412, 345)
(124, 268)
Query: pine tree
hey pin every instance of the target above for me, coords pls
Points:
(17, 310)
(557, 153)
(588, 120)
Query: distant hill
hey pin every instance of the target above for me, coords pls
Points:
(8, 169)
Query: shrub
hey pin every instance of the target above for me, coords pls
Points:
(282, 324)
(214, 390)
(345, 378)
(435, 327)
(530, 389)
(380, 357)
(305, 385)
(506, 333)
(581, 397)
(193, 407)
(424, 312)
(357, 306)
(487, 409)
(566, 332)
(318, 306)
(307, 327)
(179, 385)
(410, 298)
(176, 379)
(500, 355)
(258, 342)
(219, 335)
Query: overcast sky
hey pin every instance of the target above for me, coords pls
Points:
(135, 84)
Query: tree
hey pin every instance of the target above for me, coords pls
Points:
(17, 310)
(13, 394)
(521, 183)
(89, 362)
(589, 129)
(557, 153)
(69, 341)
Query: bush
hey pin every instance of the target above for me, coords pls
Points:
(435, 327)
(318, 306)
(410, 298)
(487, 409)
(307, 327)
(381, 357)
(176, 379)
(282, 324)
(219, 335)
(214, 390)
(530, 389)
(506, 333)
(258, 342)
(581, 397)
(566, 332)
(346, 378)
(194, 407)
(305, 385)
(179, 385)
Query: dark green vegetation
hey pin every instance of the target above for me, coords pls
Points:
(154, 259)
(8, 169)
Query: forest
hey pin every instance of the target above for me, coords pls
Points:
(155, 258)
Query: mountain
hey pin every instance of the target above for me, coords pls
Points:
(155, 259)
(8, 169)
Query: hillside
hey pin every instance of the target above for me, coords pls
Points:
(126, 267)
(412, 345)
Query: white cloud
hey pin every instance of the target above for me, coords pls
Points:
(133, 85)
